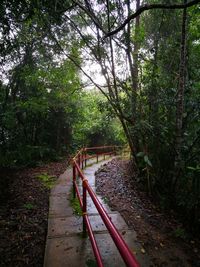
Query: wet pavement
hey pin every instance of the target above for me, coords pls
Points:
(65, 245)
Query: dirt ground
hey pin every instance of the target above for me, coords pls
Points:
(162, 236)
(24, 205)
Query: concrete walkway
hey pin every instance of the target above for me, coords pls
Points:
(65, 245)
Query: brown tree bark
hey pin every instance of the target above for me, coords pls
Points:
(180, 102)
(132, 55)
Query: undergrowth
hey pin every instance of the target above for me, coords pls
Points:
(75, 204)
(47, 180)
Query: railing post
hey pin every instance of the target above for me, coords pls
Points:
(79, 160)
(82, 159)
(85, 157)
(125, 252)
(84, 207)
(74, 180)
(97, 158)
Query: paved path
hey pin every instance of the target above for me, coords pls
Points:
(65, 245)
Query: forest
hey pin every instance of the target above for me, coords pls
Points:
(114, 72)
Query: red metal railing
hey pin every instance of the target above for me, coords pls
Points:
(78, 163)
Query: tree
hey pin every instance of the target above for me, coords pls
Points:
(141, 53)
(97, 125)
(180, 101)
(42, 89)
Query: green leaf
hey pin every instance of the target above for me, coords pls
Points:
(147, 161)
(196, 169)
(140, 154)
(191, 168)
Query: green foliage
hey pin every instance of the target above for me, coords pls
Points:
(97, 125)
(105, 200)
(145, 159)
(38, 113)
(161, 48)
(75, 205)
(47, 180)
(194, 169)
(180, 233)
(45, 114)
(29, 206)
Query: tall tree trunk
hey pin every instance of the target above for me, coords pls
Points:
(135, 51)
(132, 56)
(180, 103)
(153, 94)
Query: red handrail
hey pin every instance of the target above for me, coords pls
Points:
(124, 250)
(101, 147)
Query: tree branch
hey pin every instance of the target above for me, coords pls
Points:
(148, 7)
(91, 14)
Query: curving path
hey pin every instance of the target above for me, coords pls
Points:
(65, 245)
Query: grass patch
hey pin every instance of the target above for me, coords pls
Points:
(47, 180)
(75, 205)
(29, 206)
(105, 200)
(180, 233)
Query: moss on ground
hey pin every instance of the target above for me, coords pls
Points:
(47, 180)
(75, 204)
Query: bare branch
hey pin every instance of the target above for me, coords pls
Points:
(149, 7)
(91, 14)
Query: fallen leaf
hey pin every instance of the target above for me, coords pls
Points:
(66, 249)
(162, 245)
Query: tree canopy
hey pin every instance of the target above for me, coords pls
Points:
(147, 53)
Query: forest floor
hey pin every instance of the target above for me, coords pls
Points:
(24, 211)
(161, 234)
(24, 205)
